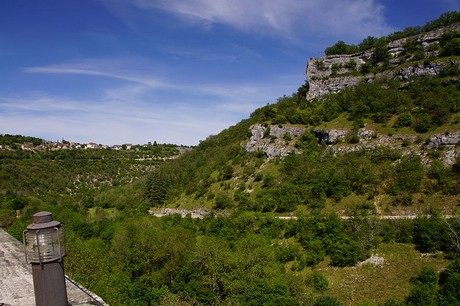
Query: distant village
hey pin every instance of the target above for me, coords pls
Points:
(44, 145)
(65, 145)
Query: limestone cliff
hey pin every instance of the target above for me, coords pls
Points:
(279, 141)
(273, 140)
(330, 74)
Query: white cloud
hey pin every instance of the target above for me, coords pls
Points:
(290, 18)
(38, 104)
(121, 69)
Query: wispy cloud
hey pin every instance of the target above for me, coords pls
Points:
(141, 84)
(37, 103)
(121, 69)
(290, 18)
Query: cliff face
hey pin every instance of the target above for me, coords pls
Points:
(273, 140)
(330, 74)
(279, 141)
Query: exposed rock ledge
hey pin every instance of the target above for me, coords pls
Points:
(273, 140)
(199, 213)
(279, 141)
(375, 260)
(323, 78)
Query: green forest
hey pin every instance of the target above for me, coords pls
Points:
(376, 225)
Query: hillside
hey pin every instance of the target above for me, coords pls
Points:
(35, 172)
(334, 195)
(379, 140)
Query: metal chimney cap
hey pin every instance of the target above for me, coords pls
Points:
(42, 220)
(43, 217)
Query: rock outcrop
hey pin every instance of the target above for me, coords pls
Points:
(280, 141)
(273, 140)
(444, 140)
(330, 74)
(198, 213)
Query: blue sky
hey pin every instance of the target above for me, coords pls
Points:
(170, 71)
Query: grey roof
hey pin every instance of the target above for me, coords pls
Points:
(16, 284)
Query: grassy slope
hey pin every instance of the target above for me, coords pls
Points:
(370, 284)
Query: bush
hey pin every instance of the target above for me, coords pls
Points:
(335, 68)
(381, 54)
(341, 48)
(446, 41)
(351, 64)
(345, 253)
(223, 200)
(408, 175)
(411, 46)
(452, 47)
(403, 120)
(422, 123)
(449, 281)
(326, 300)
(320, 282)
(451, 69)
(315, 252)
(366, 68)
(424, 291)
(7, 217)
(367, 43)
(320, 65)
(352, 136)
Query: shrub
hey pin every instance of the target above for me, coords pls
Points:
(381, 54)
(422, 123)
(451, 69)
(367, 43)
(352, 136)
(7, 217)
(341, 48)
(335, 68)
(403, 120)
(320, 65)
(345, 253)
(424, 291)
(366, 68)
(223, 200)
(452, 47)
(411, 46)
(287, 136)
(351, 64)
(326, 300)
(320, 282)
(408, 175)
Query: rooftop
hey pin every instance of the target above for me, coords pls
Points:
(16, 284)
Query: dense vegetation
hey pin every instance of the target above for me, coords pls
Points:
(243, 253)
(15, 140)
(247, 259)
(79, 177)
(219, 173)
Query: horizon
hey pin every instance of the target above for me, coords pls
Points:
(119, 72)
